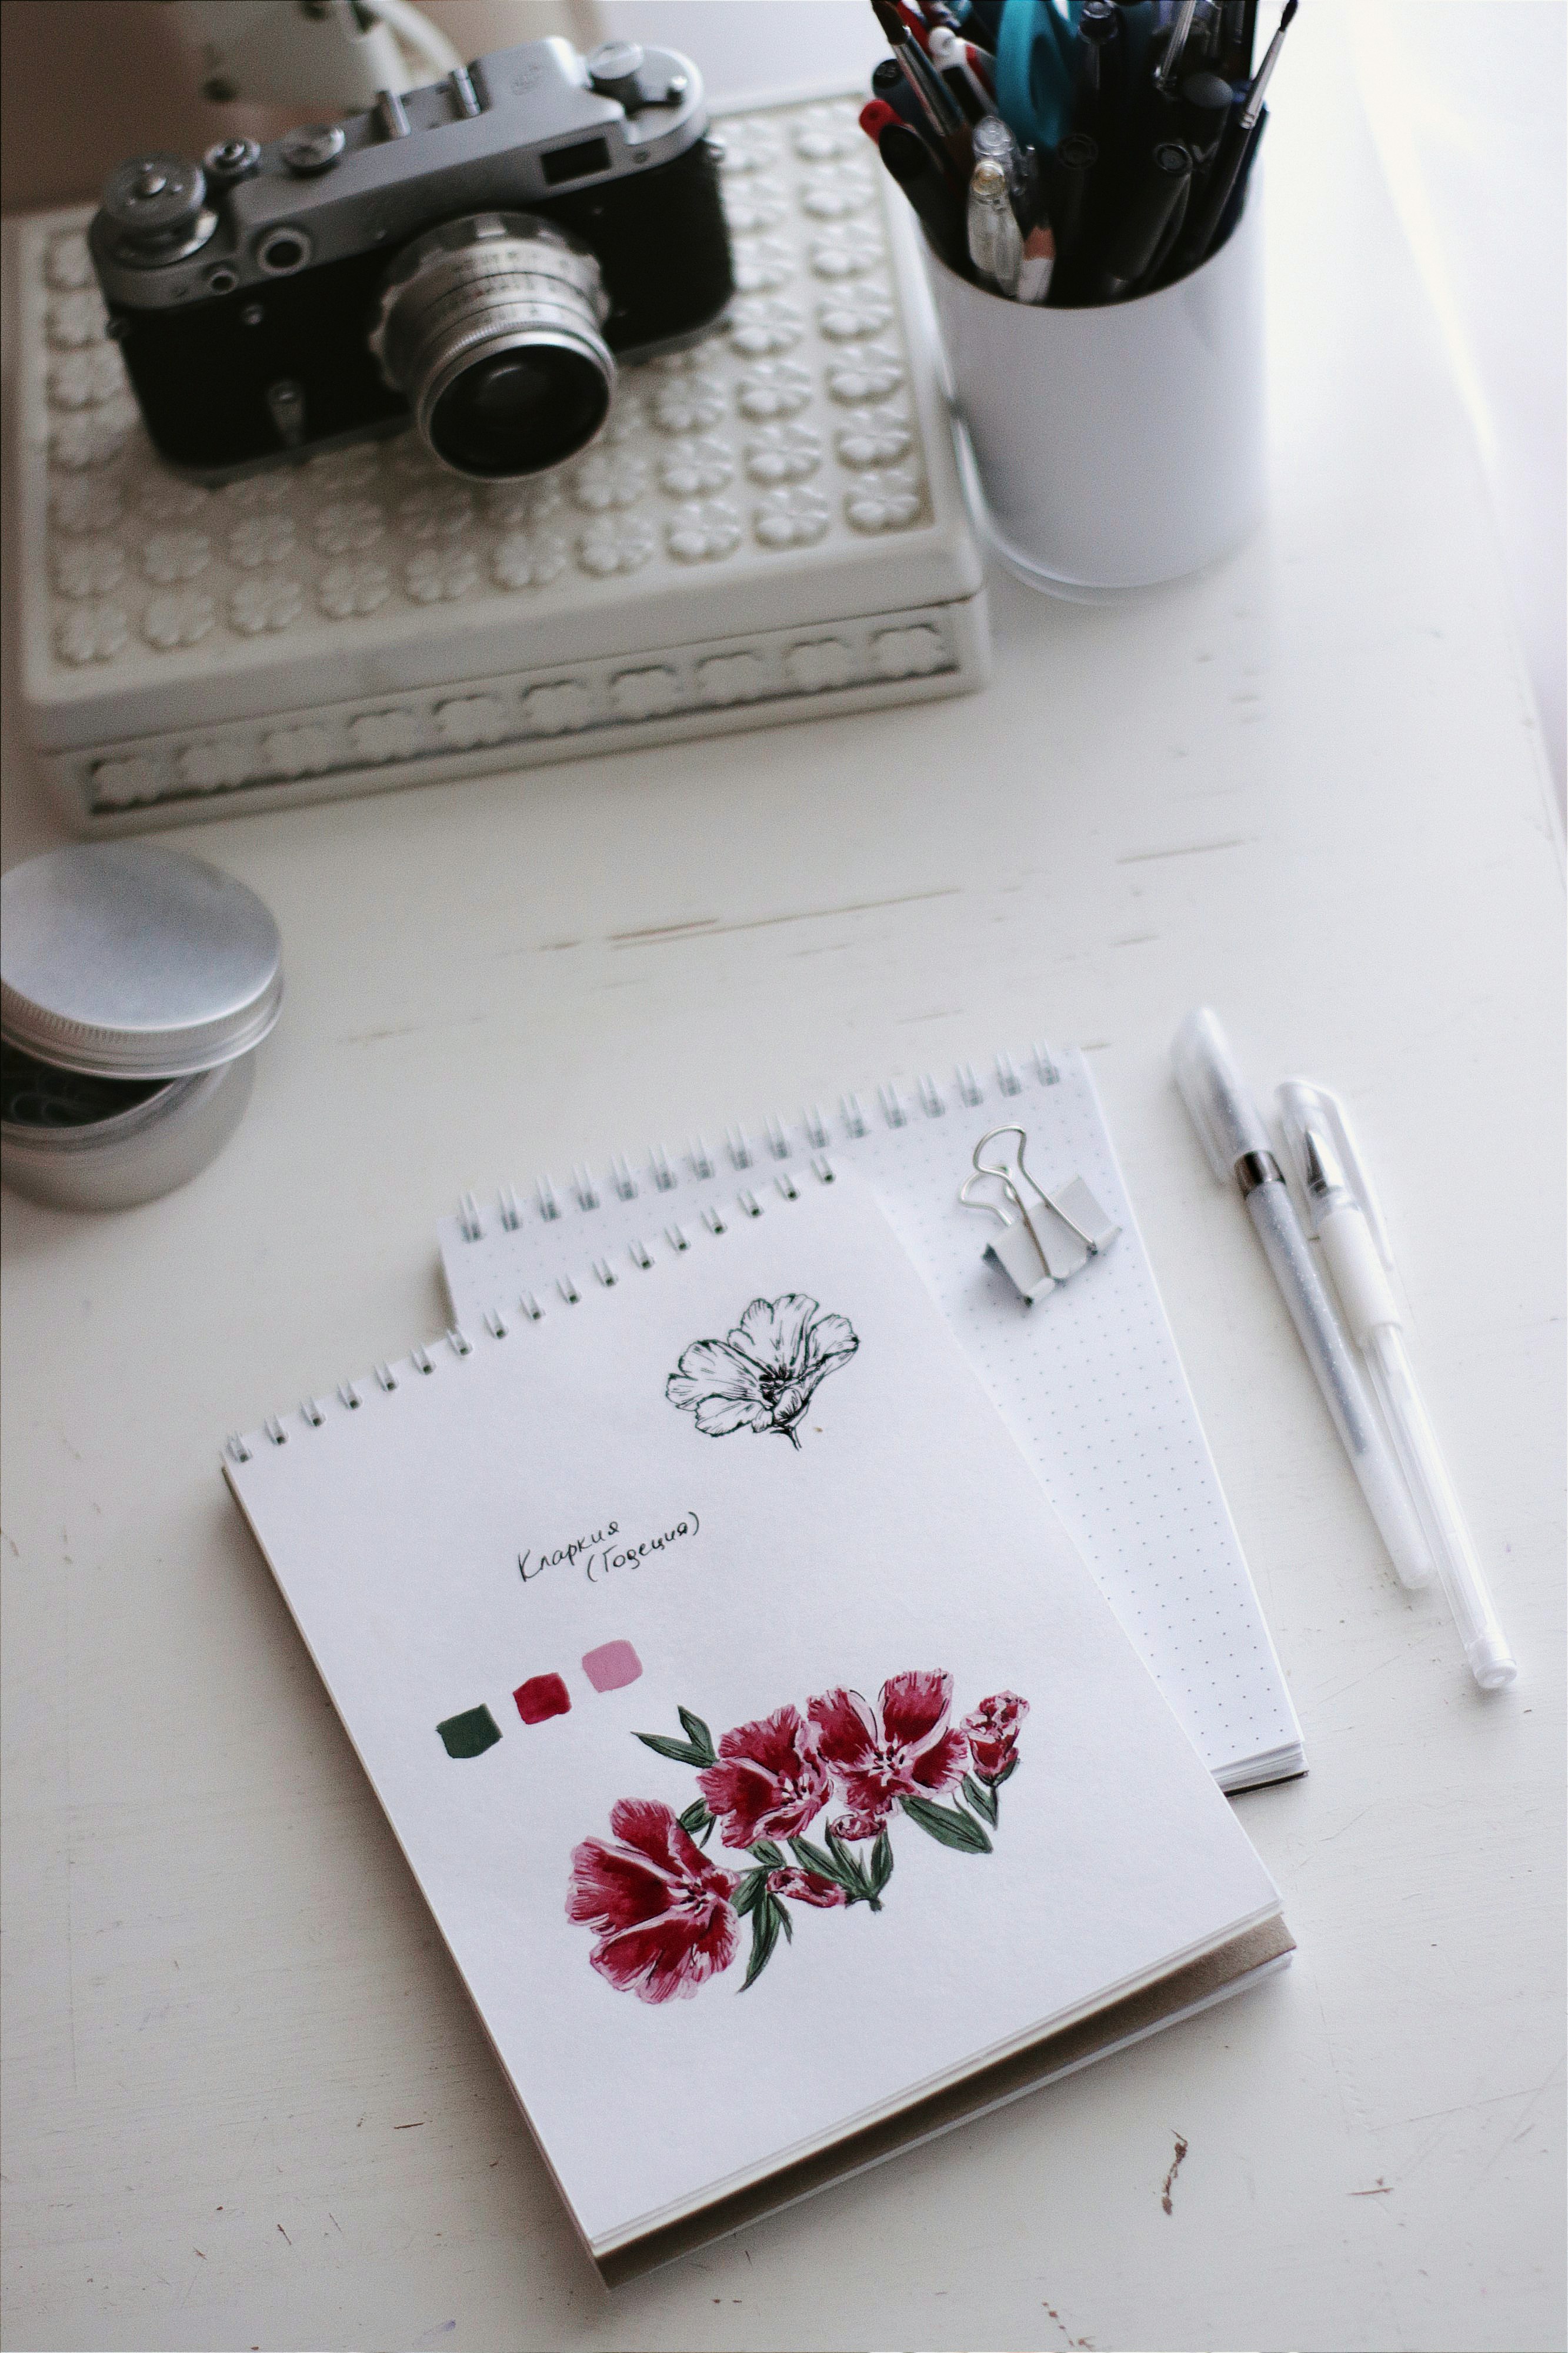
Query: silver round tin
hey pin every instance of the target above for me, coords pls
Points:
(135, 984)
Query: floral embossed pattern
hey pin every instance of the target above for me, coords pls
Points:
(762, 1374)
(667, 1918)
(782, 440)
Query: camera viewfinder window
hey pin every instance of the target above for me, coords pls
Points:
(578, 162)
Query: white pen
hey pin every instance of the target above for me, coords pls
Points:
(1238, 1147)
(1343, 1213)
(995, 245)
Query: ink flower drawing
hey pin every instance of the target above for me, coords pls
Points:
(667, 1918)
(761, 1375)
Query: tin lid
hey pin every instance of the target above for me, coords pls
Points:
(134, 961)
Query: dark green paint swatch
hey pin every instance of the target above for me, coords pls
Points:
(471, 1734)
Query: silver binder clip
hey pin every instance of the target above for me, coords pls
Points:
(1014, 1248)
(1064, 1228)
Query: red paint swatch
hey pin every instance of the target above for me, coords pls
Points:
(541, 1697)
(611, 1666)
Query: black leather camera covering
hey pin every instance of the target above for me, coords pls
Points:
(201, 373)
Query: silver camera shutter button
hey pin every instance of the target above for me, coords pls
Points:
(614, 69)
(315, 149)
(231, 160)
(155, 197)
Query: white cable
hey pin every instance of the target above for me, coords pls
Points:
(416, 32)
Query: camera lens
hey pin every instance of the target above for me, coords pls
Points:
(489, 327)
(546, 401)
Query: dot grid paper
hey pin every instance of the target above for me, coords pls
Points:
(1088, 1382)
(770, 524)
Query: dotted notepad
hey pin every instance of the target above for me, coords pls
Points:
(1089, 1381)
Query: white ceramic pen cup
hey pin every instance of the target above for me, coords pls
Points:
(1119, 446)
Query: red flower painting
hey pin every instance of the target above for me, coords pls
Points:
(769, 1781)
(992, 1734)
(806, 1887)
(668, 1918)
(902, 1748)
(661, 1910)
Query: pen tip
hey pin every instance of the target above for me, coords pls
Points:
(1290, 8)
(1325, 1174)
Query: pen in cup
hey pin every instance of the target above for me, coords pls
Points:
(1234, 157)
(1175, 43)
(1202, 115)
(1237, 1145)
(1099, 74)
(1150, 222)
(1342, 1211)
(945, 116)
(1038, 264)
(995, 245)
(1071, 186)
(992, 138)
(890, 84)
(874, 118)
(952, 58)
(1238, 35)
(908, 159)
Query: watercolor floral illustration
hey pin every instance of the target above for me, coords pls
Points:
(667, 1915)
(761, 1375)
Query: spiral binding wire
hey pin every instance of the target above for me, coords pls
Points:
(426, 1357)
(743, 1151)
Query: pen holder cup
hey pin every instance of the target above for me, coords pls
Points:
(1119, 446)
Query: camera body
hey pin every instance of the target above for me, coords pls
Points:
(472, 256)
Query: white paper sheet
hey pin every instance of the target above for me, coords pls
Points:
(1090, 1382)
(513, 1511)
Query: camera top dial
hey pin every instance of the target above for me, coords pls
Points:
(156, 210)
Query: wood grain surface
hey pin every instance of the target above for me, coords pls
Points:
(245, 2102)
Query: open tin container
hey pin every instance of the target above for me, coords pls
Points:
(135, 986)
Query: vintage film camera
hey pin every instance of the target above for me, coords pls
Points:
(471, 257)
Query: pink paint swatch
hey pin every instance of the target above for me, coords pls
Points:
(541, 1697)
(611, 1666)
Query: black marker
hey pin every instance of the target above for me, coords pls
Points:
(1202, 115)
(1070, 193)
(888, 83)
(1158, 199)
(1100, 75)
(910, 162)
(1198, 239)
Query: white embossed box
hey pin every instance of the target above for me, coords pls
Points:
(770, 527)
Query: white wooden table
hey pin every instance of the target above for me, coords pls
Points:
(246, 2103)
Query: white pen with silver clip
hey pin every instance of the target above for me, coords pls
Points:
(1342, 1211)
(1240, 1150)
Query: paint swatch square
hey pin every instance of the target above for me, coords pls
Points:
(471, 1734)
(611, 1666)
(541, 1697)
